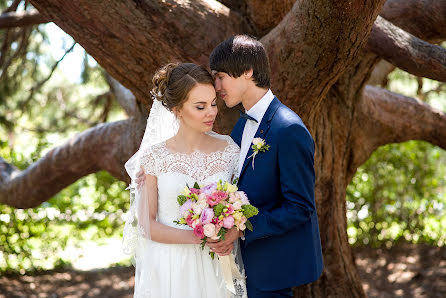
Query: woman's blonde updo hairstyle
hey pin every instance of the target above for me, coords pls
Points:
(174, 81)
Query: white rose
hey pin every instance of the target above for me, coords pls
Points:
(237, 205)
(203, 204)
(195, 222)
(242, 227)
(257, 141)
(209, 230)
(196, 208)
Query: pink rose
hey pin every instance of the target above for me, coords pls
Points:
(228, 222)
(209, 230)
(230, 209)
(216, 197)
(195, 191)
(198, 231)
(189, 220)
(207, 215)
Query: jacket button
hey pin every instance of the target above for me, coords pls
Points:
(261, 131)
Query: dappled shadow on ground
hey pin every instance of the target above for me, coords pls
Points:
(112, 282)
(404, 271)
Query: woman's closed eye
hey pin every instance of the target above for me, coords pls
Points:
(201, 107)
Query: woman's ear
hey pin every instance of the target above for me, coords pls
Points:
(176, 112)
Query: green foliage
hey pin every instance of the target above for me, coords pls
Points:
(399, 193)
(181, 199)
(90, 209)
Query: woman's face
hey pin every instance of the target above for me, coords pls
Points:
(200, 109)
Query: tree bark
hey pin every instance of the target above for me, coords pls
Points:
(426, 19)
(407, 52)
(131, 39)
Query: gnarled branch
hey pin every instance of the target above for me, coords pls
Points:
(123, 96)
(20, 19)
(305, 65)
(385, 117)
(103, 147)
(406, 51)
(426, 19)
(131, 39)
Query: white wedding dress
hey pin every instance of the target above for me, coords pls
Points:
(183, 270)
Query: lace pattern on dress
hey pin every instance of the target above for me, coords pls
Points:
(158, 160)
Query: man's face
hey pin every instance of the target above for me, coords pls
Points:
(229, 89)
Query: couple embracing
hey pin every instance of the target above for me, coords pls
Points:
(179, 148)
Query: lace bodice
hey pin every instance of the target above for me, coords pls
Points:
(175, 170)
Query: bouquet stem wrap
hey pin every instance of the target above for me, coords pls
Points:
(230, 271)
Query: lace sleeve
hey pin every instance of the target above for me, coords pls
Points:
(148, 162)
(235, 155)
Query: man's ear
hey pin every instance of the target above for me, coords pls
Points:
(248, 73)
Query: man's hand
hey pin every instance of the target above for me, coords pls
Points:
(224, 247)
(140, 178)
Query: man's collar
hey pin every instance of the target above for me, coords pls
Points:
(259, 109)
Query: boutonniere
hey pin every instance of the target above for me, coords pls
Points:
(258, 145)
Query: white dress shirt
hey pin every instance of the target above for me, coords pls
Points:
(250, 129)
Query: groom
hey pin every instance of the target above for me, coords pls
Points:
(284, 250)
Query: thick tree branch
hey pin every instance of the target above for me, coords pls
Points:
(313, 45)
(385, 117)
(20, 19)
(265, 15)
(13, 6)
(123, 96)
(131, 39)
(426, 19)
(104, 147)
(406, 51)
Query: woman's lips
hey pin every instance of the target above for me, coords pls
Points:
(209, 123)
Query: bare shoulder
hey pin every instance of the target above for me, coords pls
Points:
(222, 142)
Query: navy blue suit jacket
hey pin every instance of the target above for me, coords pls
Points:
(284, 250)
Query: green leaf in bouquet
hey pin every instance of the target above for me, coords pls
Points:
(196, 185)
(249, 225)
(181, 199)
(218, 209)
(222, 233)
(203, 242)
(249, 211)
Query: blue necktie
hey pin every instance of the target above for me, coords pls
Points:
(246, 116)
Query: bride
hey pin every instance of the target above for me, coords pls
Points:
(178, 148)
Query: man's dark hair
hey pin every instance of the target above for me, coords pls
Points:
(240, 53)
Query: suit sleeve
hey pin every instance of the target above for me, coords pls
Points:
(296, 169)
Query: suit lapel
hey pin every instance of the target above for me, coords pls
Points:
(261, 131)
(237, 132)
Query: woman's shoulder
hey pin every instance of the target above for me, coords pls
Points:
(226, 141)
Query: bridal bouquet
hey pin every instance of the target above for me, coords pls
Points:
(213, 209)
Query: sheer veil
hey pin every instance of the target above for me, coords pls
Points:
(161, 125)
